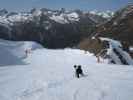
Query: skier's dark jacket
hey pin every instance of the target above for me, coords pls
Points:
(79, 70)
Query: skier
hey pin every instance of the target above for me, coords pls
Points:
(27, 51)
(98, 58)
(78, 71)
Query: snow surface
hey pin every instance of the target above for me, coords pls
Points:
(113, 44)
(13, 52)
(65, 18)
(131, 49)
(49, 75)
(105, 14)
(15, 18)
(59, 19)
(73, 16)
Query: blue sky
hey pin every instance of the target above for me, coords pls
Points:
(101, 5)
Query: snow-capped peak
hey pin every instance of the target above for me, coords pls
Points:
(65, 17)
(104, 14)
(60, 16)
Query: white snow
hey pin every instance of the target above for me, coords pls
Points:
(15, 18)
(131, 49)
(117, 45)
(73, 16)
(65, 18)
(113, 43)
(37, 13)
(49, 75)
(93, 12)
(59, 19)
(113, 56)
(104, 14)
(13, 52)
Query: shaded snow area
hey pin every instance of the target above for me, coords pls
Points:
(49, 75)
(13, 53)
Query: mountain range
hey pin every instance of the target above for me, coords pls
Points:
(62, 28)
(51, 28)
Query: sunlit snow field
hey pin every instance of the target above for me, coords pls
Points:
(49, 75)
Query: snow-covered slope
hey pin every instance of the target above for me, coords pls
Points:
(49, 75)
(116, 53)
(13, 53)
(65, 18)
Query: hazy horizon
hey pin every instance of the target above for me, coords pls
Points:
(101, 5)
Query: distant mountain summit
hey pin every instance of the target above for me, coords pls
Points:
(61, 16)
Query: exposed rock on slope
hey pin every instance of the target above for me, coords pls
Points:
(109, 49)
(120, 27)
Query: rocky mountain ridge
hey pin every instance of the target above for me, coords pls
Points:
(52, 28)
